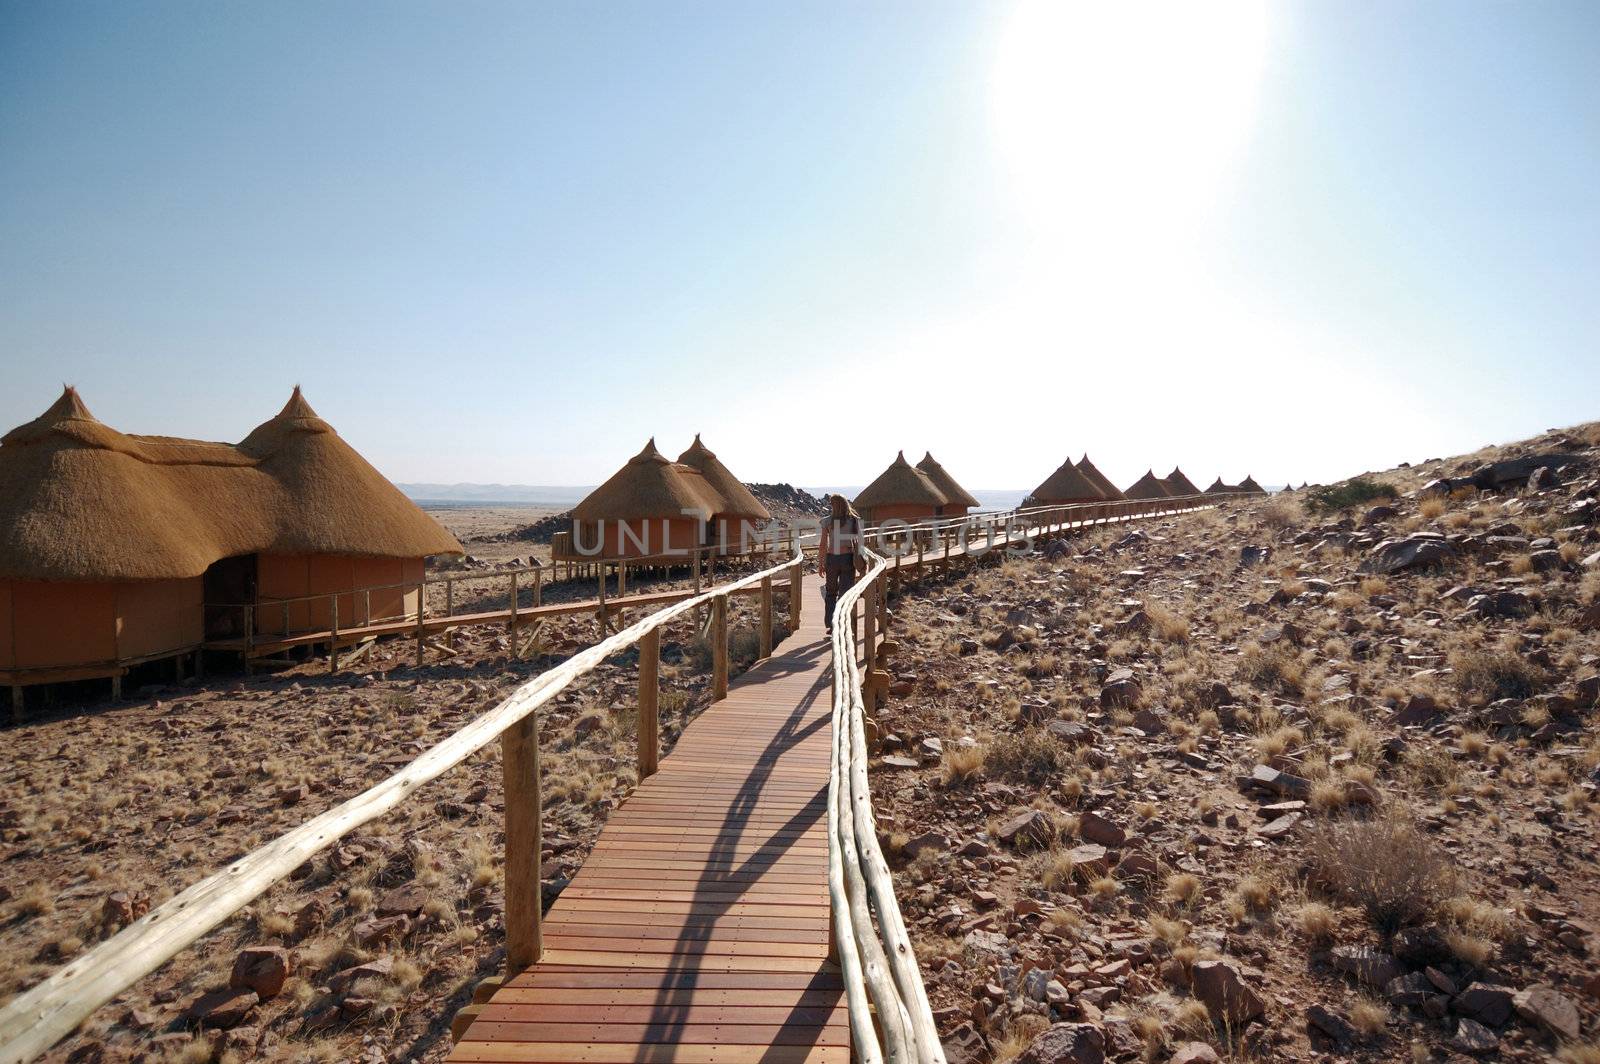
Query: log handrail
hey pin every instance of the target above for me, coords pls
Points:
(35, 1020)
(882, 978)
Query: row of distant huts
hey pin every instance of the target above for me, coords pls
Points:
(118, 549)
(927, 490)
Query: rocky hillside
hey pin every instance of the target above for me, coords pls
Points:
(1304, 778)
(786, 502)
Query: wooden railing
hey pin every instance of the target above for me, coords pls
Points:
(35, 1020)
(883, 981)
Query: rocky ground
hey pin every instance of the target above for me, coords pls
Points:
(368, 950)
(1277, 781)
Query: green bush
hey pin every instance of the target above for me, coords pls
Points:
(1355, 492)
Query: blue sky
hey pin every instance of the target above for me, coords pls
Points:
(508, 242)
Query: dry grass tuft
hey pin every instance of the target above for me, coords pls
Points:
(1386, 866)
(963, 763)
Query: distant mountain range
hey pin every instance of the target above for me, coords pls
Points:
(491, 494)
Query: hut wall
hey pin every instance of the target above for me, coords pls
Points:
(62, 623)
(738, 534)
(7, 651)
(912, 512)
(295, 576)
(156, 617)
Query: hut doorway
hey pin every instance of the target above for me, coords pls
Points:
(229, 588)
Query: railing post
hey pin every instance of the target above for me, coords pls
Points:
(333, 637)
(538, 587)
(604, 624)
(766, 616)
(795, 585)
(519, 760)
(511, 626)
(649, 691)
(450, 609)
(422, 615)
(719, 648)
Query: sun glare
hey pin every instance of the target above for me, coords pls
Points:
(1117, 119)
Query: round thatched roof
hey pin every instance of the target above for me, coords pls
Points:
(1148, 486)
(1218, 488)
(1249, 485)
(955, 494)
(1099, 479)
(650, 485)
(81, 501)
(736, 499)
(1178, 484)
(902, 484)
(1066, 484)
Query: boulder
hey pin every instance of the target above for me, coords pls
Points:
(1227, 996)
(1332, 1024)
(1120, 689)
(1093, 827)
(1194, 1053)
(262, 969)
(1486, 1002)
(221, 1008)
(1553, 1011)
(1514, 471)
(1066, 1043)
(1473, 1037)
(1420, 550)
(1029, 828)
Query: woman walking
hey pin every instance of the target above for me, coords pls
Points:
(837, 556)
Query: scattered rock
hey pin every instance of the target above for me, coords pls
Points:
(1473, 1037)
(1420, 550)
(1226, 994)
(1030, 828)
(1487, 1002)
(1553, 1011)
(221, 1008)
(1066, 1043)
(262, 969)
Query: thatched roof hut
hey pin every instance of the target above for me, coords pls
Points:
(81, 501)
(901, 491)
(1099, 479)
(1066, 485)
(1177, 484)
(1219, 488)
(736, 500)
(1249, 486)
(650, 485)
(1148, 486)
(956, 497)
(117, 549)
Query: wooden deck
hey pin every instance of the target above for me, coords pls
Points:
(697, 930)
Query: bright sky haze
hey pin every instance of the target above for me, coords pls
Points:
(509, 242)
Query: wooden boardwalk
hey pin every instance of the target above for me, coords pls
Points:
(697, 930)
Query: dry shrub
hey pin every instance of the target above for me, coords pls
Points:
(1166, 624)
(1369, 1017)
(1282, 513)
(1387, 866)
(1494, 674)
(1317, 922)
(1275, 668)
(1032, 755)
(963, 763)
